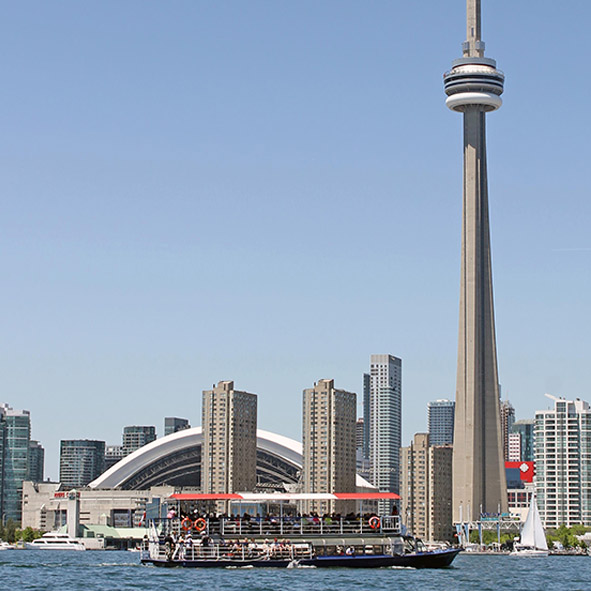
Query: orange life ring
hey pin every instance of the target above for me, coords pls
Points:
(200, 524)
(374, 522)
(186, 524)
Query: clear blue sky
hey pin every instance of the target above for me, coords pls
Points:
(270, 192)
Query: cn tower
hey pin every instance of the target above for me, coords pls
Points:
(474, 87)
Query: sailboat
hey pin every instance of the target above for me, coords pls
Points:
(533, 537)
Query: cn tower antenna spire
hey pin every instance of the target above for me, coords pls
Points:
(473, 46)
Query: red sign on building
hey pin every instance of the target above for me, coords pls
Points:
(526, 470)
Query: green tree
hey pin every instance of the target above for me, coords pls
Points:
(28, 534)
(9, 533)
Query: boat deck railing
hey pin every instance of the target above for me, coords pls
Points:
(292, 527)
(159, 550)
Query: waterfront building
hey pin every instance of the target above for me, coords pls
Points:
(525, 429)
(46, 506)
(426, 489)
(507, 421)
(36, 461)
(440, 418)
(81, 461)
(563, 463)
(228, 452)
(385, 423)
(174, 424)
(328, 441)
(473, 87)
(136, 436)
(15, 437)
(113, 453)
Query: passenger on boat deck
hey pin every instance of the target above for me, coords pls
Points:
(181, 546)
(350, 551)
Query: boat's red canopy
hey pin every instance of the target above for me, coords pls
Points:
(278, 497)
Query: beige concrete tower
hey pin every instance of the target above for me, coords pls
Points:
(228, 451)
(473, 87)
(328, 441)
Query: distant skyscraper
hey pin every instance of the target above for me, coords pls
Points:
(440, 417)
(359, 429)
(507, 420)
(36, 461)
(328, 439)
(514, 453)
(366, 409)
(563, 472)
(473, 87)
(525, 429)
(228, 452)
(81, 461)
(174, 424)
(113, 453)
(385, 415)
(426, 489)
(15, 435)
(136, 436)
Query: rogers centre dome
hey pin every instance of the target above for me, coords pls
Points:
(175, 460)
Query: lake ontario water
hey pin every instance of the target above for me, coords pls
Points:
(114, 570)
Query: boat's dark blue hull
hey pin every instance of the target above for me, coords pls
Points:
(434, 559)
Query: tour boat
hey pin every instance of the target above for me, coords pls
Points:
(402, 551)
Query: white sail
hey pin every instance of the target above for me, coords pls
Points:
(532, 534)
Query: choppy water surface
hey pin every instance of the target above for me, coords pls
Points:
(104, 571)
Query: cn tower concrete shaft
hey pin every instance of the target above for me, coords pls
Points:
(474, 86)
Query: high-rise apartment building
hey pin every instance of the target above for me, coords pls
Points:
(328, 438)
(228, 452)
(174, 424)
(414, 475)
(440, 493)
(507, 420)
(385, 418)
(440, 418)
(36, 461)
(136, 436)
(81, 461)
(525, 429)
(563, 463)
(15, 437)
(426, 489)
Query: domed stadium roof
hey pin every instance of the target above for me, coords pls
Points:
(176, 460)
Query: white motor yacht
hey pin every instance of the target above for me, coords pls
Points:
(6, 546)
(55, 541)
